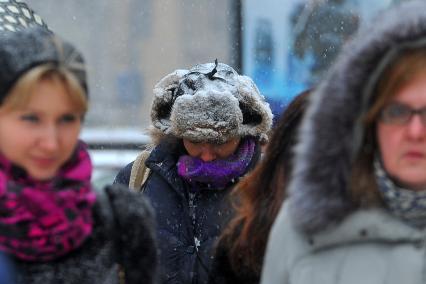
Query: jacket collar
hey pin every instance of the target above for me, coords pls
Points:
(163, 161)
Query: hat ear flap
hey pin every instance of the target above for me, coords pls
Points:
(257, 115)
(164, 97)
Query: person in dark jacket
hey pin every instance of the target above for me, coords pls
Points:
(257, 199)
(54, 225)
(208, 125)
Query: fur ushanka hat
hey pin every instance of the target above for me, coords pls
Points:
(209, 103)
(26, 42)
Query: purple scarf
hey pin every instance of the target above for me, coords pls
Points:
(40, 221)
(218, 173)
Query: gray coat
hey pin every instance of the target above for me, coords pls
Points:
(369, 246)
(323, 235)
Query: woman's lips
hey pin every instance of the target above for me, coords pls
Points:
(44, 162)
(415, 155)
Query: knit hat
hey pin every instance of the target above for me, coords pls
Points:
(16, 15)
(210, 103)
(26, 42)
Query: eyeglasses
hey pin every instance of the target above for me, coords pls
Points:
(397, 113)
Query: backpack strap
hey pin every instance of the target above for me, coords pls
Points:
(140, 171)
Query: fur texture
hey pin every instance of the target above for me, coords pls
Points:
(198, 106)
(331, 131)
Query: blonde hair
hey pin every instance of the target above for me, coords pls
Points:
(19, 95)
(396, 76)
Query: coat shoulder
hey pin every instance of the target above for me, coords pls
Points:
(123, 176)
(286, 245)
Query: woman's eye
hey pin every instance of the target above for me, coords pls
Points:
(397, 110)
(68, 118)
(30, 118)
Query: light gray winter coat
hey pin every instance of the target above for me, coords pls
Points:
(369, 246)
(322, 235)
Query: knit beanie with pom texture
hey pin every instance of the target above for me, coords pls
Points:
(26, 42)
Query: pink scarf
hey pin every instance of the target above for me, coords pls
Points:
(40, 221)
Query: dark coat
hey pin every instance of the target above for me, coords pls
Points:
(188, 224)
(123, 234)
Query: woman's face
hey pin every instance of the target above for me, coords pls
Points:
(209, 152)
(403, 144)
(41, 136)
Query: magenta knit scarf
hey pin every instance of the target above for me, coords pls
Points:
(218, 173)
(40, 221)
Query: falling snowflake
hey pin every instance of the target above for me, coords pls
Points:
(197, 243)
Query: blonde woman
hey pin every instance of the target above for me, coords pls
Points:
(54, 225)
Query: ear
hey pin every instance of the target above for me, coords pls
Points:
(164, 98)
(257, 115)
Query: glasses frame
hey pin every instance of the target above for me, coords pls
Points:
(404, 117)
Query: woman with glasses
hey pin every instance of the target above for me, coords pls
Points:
(356, 211)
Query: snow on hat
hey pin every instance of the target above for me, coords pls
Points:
(210, 102)
(26, 42)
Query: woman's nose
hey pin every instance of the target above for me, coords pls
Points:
(49, 140)
(207, 154)
(416, 128)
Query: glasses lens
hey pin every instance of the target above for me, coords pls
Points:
(396, 114)
(422, 113)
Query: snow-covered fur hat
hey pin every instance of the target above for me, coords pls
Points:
(332, 131)
(24, 49)
(209, 103)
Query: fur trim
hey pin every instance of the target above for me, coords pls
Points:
(206, 114)
(205, 105)
(331, 133)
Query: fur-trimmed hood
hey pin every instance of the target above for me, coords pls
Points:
(210, 102)
(331, 134)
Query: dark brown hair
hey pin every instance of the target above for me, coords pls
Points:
(260, 195)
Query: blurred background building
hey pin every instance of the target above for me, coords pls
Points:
(286, 46)
(129, 45)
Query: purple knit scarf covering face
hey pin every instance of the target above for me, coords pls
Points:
(41, 221)
(218, 173)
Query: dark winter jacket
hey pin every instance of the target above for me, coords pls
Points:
(123, 235)
(7, 270)
(187, 224)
